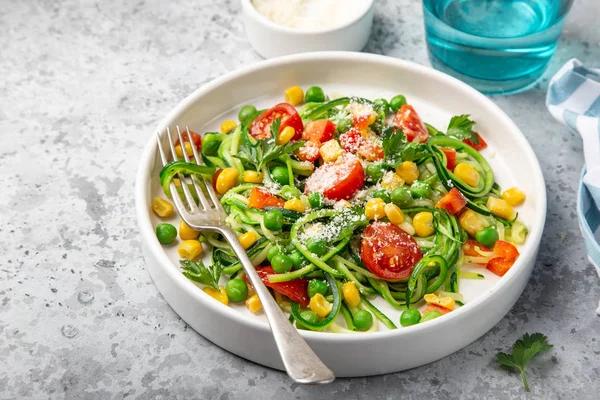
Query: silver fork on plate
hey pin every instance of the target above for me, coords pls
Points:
(300, 361)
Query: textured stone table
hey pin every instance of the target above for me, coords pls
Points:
(82, 85)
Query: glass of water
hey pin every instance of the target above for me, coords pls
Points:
(496, 46)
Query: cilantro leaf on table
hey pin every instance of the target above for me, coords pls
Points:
(198, 272)
(523, 350)
(397, 148)
(461, 127)
(265, 150)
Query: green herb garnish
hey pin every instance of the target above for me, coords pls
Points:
(461, 127)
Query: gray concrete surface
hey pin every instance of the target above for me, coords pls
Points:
(83, 83)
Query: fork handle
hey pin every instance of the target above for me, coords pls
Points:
(300, 361)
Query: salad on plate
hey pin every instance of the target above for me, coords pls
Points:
(340, 201)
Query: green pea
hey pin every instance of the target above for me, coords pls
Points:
(274, 220)
(374, 172)
(316, 246)
(397, 101)
(401, 196)
(363, 320)
(420, 189)
(429, 315)
(280, 175)
(344, 125)
(237, 290)
(289, 192)
(410, 316)
(383, 195)
(316, 199)
(281, 263)
(487, 237)
(272, 252)
(317, 286)
(297, 259)
(246, 112)
(166, 233)
(310, 317)
(314, 94)
(382, 104)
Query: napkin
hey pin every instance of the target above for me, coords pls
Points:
(574, 99)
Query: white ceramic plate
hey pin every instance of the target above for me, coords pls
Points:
(437, 97)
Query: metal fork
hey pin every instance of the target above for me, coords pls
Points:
(300, 361)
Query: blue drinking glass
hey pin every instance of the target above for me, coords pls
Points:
(496, 46)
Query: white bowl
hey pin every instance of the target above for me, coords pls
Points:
(272, 40)
(437, 97)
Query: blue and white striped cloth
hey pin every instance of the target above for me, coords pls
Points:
(574, 99)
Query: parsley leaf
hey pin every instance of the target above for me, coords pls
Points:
(198, 272)
(523, 350)
(397, 149)
(266, 150)
(461, 127)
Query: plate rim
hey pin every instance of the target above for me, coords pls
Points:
(147, 231)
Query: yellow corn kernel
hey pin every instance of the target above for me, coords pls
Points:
(408, 171)
(391, 181)
(472, 222)
(162, 207)
(501, 208)
(188, 150)
(177, 182)
(446, 302)
(228, 125)
(294, 95)
(394, 214)
(285, 135)
(375, 208)
(350, 293)
(248, 239)
(372, 118)
(320, 305)
(226, 180)
(253, 177)
(331, 150)
(514, 196)
(187, 233)
(253, 304)
(423, 224)
(219, 295)
(295, 204)
(467, 174)
(190, 249)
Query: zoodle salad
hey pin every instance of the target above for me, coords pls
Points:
(340, 201)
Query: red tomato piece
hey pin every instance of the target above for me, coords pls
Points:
(409, 121)
(319, 131)
(453, 201)
(197, 139)
(450, 157)
(480, 146)
(296, 289)
(337, 180)
(353, 142)
(309, 152)
(388, 251)
(436, 307)
(506, 250)
(469, 248)
(214, 179)
(260, 198)
(261, 126)
(499, 265)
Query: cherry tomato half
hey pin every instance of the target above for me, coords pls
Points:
(353, 142)
(337, 180)
(388, 251)
(309, 152)
(320, 131)
(296, 289)
(409, 121)
(261, 126)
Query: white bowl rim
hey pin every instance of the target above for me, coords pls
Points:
(252, 12)
(147, 231)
